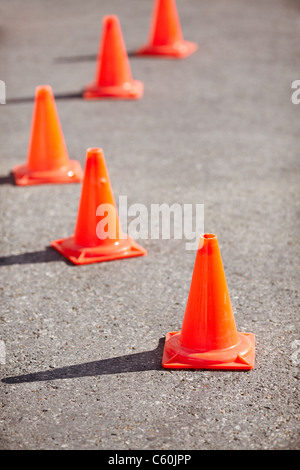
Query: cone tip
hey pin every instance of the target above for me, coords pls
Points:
(94, 152)
(208, 239)
(43, 91)
(110, 20)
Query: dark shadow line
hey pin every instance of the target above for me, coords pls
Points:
(30, 99)
(75, 59)
(139, 362)
(42, 256)
(8, 179)
(85, 58)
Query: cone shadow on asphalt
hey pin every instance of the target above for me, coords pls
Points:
(139, 362)
(30, 99)
(85, 58)
(7, 179)
(41, 256)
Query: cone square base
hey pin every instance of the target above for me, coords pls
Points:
(23, 176)
(79, 255)
(238, 357)
(132, 90)
(179, 50)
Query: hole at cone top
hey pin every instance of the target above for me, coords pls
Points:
(208, 239)
(94, 152)
(209, 235)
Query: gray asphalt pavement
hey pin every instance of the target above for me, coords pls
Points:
(81, 346)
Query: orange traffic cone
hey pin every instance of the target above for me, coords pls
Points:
(91, 242)
(165, 37)
(113, 75)
(47, 159)
(209, 338)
